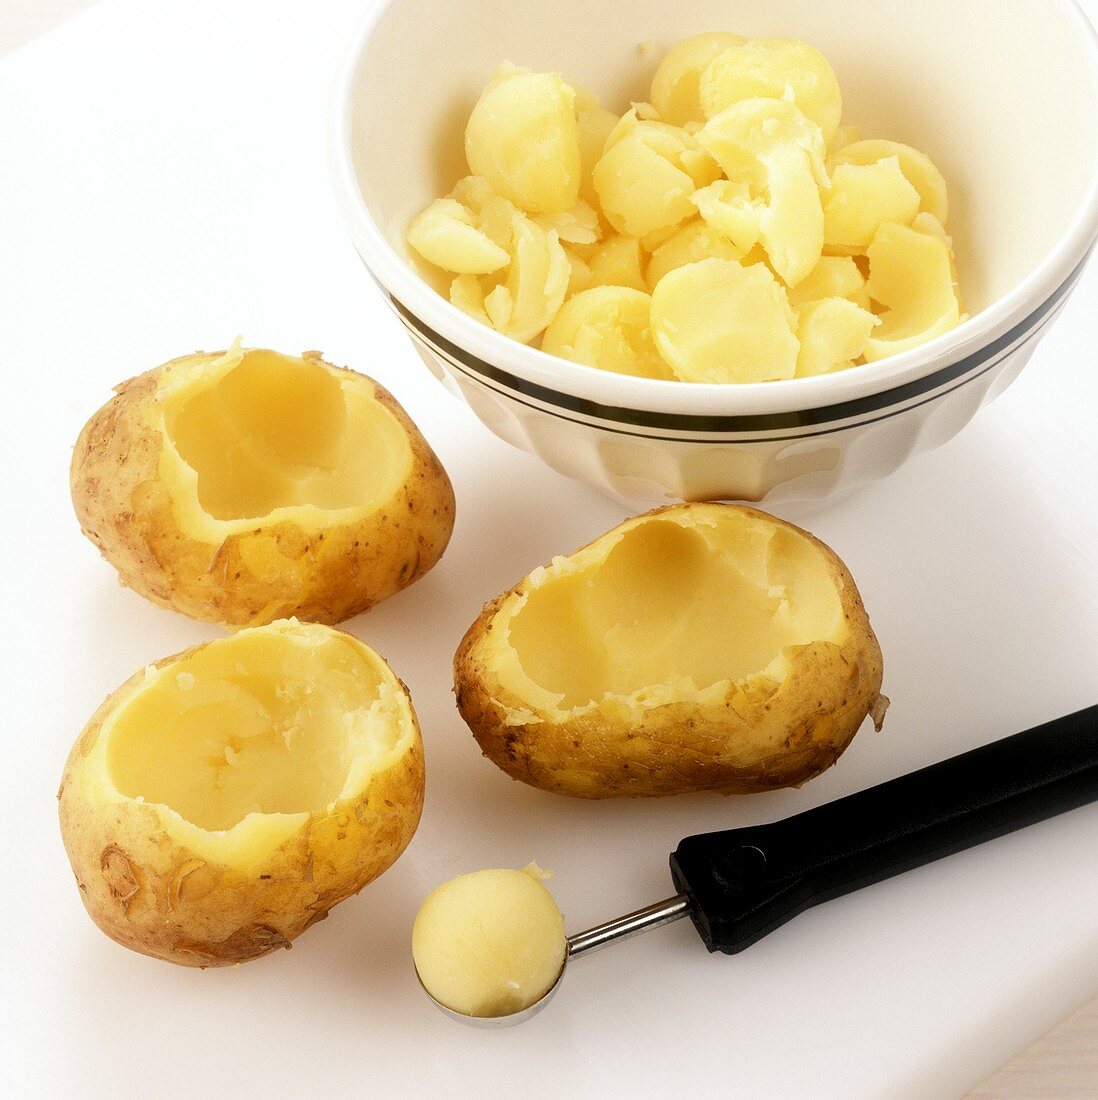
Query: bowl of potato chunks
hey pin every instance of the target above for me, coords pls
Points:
(744, 254)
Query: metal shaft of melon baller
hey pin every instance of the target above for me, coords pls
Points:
(632, 924)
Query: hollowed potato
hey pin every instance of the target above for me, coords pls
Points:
(224, 799)
(698, 647)
(241, 486)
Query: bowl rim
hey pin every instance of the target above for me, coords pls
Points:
(520, 363)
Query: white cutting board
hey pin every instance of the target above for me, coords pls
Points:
(163, 187)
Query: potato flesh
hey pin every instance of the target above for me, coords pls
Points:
(833, 332)
(523, 138)
(607, 327)
(258, 723)
(774, 69)
(671, 605)
(911, 274)
(252, 724)
(647, 174)
(489, 943)
(717, 321)
(772, 148)
(862, 198)
(745, 133)
(697, 240)
(675, 93)
(918, 169)
(275, 431)
(618, 261)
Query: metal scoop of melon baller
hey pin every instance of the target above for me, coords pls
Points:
(741, 884)
(654, 916)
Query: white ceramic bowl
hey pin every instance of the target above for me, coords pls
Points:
(1003, 96)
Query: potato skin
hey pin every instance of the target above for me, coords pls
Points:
(271, 571)
(752, 740)
(151, 894)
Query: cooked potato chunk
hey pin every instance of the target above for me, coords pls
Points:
(523, 298)
(911, 274)
(445, 236)
(774, 149)
(774, 68)
(490, 943)
(675, 93)
(832, 277)
(717, 321)
(861, 199)
(698, 647)
(523, 138)
(697, 240)
(243, 486)
(222, 800)
(618, 261)
(647, 174)
(833, 332)
(607, 327)
(918, 170)
(595, 125)
(730, 209)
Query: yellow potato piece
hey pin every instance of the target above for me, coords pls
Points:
(917, 167)
(697, 240)
(911, 275)
(595, 124)
(472, 192)
(928, 223)
(521, 301)
(729, 210)
(618, 261)
(774, 148)
(861, 199)
(523, 138)
(844, 136)
(490, 943)
(717, 321)
(777, 69)
(445, 236)
(833, 332)
(647, 174)
(832, 277)
(579, 225)
(580, 278)
(607, 327)
(675, 86)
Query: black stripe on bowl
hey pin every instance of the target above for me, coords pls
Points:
(965, 370)
(705, 436)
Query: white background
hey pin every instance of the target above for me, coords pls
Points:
(163, 187)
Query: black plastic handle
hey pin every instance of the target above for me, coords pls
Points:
(743, 883)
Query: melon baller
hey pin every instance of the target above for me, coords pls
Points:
(740, 884)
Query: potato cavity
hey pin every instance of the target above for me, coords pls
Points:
(671, 605)
(715, 205)
(271, 431)
(283, 720)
